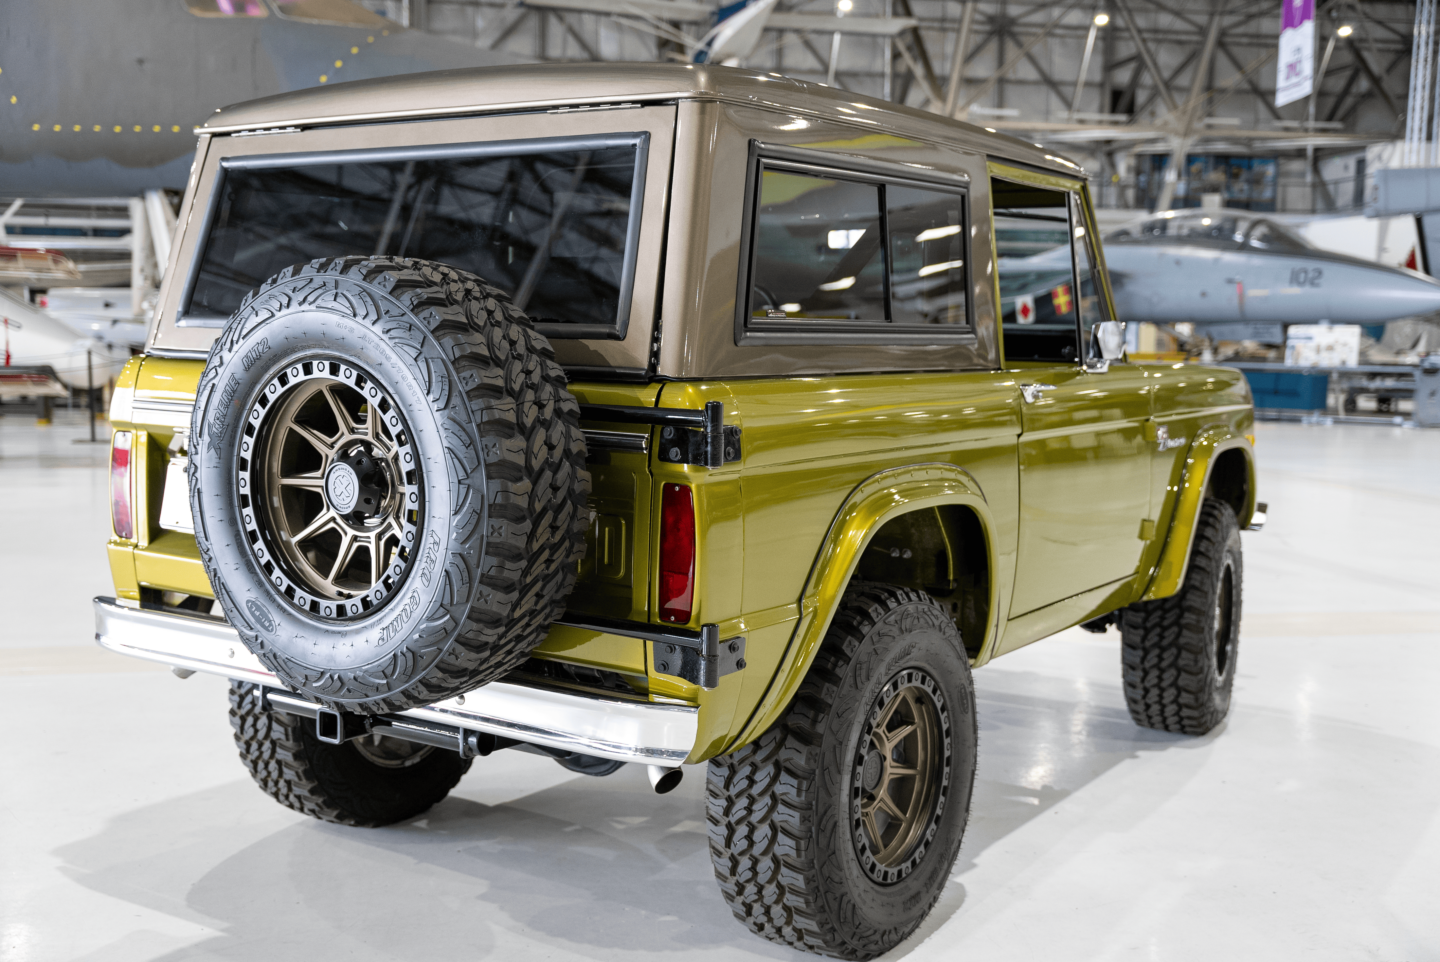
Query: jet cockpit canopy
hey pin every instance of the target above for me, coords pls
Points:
(1227, 229)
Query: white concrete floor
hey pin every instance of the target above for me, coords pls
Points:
(1306, 827)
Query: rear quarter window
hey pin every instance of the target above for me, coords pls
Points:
(839, 252)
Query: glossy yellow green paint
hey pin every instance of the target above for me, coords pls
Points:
(810, 444)
(169, 379)
(878, 499)
(124, 391)
(121, 555)
(1200, 458)
(1197, 406)
(595, 649)
(172, 563)
(827, 462)
(1084, 482)
(614, 580)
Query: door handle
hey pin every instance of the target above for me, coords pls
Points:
(1032, 392)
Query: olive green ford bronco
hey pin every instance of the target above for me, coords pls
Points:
(660, 414)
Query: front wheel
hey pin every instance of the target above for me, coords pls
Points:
(1178, 653)
(834, 832)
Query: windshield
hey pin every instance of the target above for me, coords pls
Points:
(552, 228)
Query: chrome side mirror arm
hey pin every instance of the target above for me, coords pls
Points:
(1107, 343)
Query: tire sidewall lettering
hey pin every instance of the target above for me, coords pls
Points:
(302, 319)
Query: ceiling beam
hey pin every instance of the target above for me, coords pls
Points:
(957, 57)
(1016, 57)
(1264, 97)
(1143, 49)
(1045, 77)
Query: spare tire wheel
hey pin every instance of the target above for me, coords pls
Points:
(388, 481)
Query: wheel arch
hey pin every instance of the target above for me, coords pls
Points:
(1219, 464)
(937, 501)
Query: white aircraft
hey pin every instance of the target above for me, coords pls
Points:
(44, 356)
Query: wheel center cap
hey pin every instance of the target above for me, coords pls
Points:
(342, 487)
(874, 768)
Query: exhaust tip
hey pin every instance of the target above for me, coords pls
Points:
(663, 779)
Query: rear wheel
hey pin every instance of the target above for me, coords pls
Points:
(835, 831)
(1178, 653)
(367, 781)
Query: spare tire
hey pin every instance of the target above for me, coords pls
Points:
(387, 476)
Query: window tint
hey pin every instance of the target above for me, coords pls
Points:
(832, 253)
(818, 254)
(1038, 293)
(927, 256)
(550, 229)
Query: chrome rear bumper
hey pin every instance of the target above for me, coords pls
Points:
(627, 731)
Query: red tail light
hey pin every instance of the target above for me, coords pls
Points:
(120, 514)
(677, 553)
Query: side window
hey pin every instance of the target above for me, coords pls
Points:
(1039, 298)
(856, 253)
(817, 252)
(927, 256)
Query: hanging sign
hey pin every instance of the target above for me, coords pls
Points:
(1296, 73)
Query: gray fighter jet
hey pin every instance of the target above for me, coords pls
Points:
(102, 98)
(1235, 275)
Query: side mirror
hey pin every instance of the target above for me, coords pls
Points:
(1109, 337)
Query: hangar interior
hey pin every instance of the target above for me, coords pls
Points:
(1294, 238)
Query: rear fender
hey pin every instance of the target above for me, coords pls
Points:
(1200, 462)
(877, 500)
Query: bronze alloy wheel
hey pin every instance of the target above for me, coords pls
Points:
(329, 488)
(390, 752)
(901, 776)
(1224, 619)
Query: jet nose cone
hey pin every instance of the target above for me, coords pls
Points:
(1400, 294)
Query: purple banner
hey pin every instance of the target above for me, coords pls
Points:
(1296, 69)
(1296, 12)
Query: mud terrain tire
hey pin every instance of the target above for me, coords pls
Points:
(338, 783)
(785, 842)
(461, 435)
(1178, 653)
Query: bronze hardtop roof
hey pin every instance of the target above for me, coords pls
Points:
(448, 93)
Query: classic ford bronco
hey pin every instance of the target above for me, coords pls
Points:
(660, 414)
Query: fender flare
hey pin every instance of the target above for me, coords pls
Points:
(1205, 450)
(875, 501)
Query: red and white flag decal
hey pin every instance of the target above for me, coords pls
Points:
(1025, 309)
